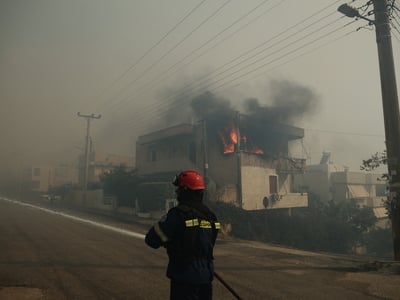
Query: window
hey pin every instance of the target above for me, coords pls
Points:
(273, 184)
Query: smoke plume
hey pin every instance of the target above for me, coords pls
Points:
(287, 103)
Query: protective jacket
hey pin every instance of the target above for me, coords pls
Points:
(188, 232)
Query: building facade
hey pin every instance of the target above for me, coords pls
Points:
(250, 171)
(335, 182)
(100, 163)
(42, 178)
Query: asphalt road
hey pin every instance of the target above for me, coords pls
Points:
(52, 256)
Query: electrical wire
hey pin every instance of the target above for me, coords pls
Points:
(158, 107)
(274, 60)
(300, 55)
(166, 73)
(396, 32)
(346, 132)
(395, 24)
(270, 40)
(241, 76)
(280, 49)
(175, 46)
(178, 102)
(276, 51)
(216, 72)
(148, 51)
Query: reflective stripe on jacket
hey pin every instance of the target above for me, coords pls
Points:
(189, 235)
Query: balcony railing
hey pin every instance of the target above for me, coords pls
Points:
(290, 165)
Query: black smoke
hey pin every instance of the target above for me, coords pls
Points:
(284, 102)
(208, 106)
(287, 103)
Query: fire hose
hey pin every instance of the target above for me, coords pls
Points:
(228, 287)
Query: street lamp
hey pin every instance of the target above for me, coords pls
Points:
(352, 12)
(390, 104)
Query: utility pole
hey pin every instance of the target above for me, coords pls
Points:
(88, 118)
(390, 113)
(205, 159)
(239, 160)
(390, 108)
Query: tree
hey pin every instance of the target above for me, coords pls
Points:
(376, 160)
(122, 183)
(153, 194)
(379, 243)
(333, 226)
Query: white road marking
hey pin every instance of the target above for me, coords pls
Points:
(104, 226)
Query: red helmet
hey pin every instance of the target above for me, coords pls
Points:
(189, 179)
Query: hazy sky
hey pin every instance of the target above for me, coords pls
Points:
(128, 60)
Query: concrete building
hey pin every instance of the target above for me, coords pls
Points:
(336, 182)
(39, 178)
(42, 178)
(100, 163)
(65, 174)
(243, 166)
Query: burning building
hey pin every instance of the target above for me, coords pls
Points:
(245, 159)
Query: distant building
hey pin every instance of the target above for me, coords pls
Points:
(65, 174)
(42, 178)
(100, 163)
(244, 164)
(335, 182)
(39, 178)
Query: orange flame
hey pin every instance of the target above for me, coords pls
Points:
(229, 138)
(229, 145)
(233, 135)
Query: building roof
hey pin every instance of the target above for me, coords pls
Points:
(180, 129)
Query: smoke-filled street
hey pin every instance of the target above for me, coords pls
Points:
(51, 256)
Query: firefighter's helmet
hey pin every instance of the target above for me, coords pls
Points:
(189, 179)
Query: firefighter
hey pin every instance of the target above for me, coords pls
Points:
(188, 232)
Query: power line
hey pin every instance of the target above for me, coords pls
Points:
(165, 74)
(275, 52)
(394, 22)
(147, 52)
(269, 40)
(216, 72)
(268, 63)
(175, 46)
(181, 96)
(300, 55)
(287, 53)
(346, 132)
